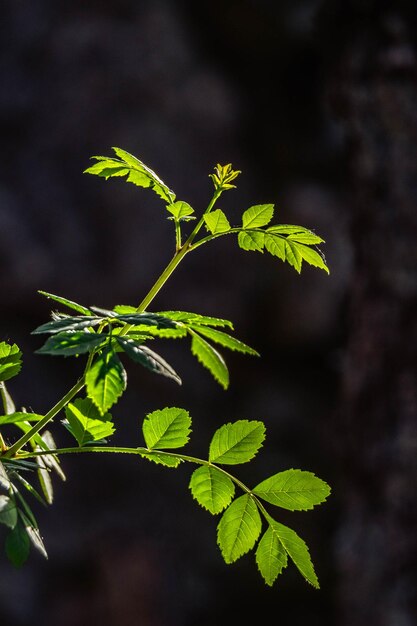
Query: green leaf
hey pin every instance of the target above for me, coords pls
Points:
(148, 358)
(17, 545)
(292, 255)
(224, 339)
(161, 459)
(167, 428)
(239, 528)
(257, 216)
(196, 318)
(307, 237)
(251, 240)
(312, 257)
(10, 360)
(4, 479)
(19, 416)
(216, 222)
(8, 512)
(149, 319)
(212, 489)
(34, 535)
(236, 442)
(45, 481)
(293, 489)
(68, 303)
(86, 423)
(137, 172)
(271, 556)
(106, 380)
(67, 323)
(6, 399)
(275, 245)
(72, 343)
(181, 210)
(297, 550)
(211, 359)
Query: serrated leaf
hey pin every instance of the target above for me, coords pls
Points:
(72, 343)
(167, 428)
(149, 319)
(216, 222)
(307, 237)
(271, 556)
(8, 512)
(297, 550)
(180, 209)
(137, 172)
(196, 318)
(312, 257)
(161, 459)
(257, 216)
(224, 339)
(275, 245)
(86, 423)
(68, 303)
(105, 380)
(67, 323)
(148, 358)
(212, 489)
(251, 240)
(19, 416)
(17, 545)
(211, 359)
(10, 360)
(293, 256)
(239, 528)
(295, 490)
(236, 442)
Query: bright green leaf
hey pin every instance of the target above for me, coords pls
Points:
(167, 428)
(212, 489)
(239, 528)
(216, 222)
(296, 549)
(211, 359)
(86, 423)
(257, 216)
(251, 240)
(45, 481)
(275, 245)
(105, 380)
(10, 360)
(224, 339)
(312, 257)
(196, 318)
(292, 489)
(180, 210)
(236, 442)
(161, 459)
(19, 416)
(271, 556)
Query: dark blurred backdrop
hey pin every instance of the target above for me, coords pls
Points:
(315, 101)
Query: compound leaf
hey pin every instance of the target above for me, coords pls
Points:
(72, 343)
(85, 422)
(10, 360)
(239, 528)
(257, 216)
(271, 556)
(105, 380)
(211, 359)
(236, 442)
(216, 222)
(292, 489)
(212, 489)
(297, 550)
(167, 428)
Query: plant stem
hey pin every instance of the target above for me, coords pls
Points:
(47, 418)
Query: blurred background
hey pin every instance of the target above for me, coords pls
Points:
(315, 101)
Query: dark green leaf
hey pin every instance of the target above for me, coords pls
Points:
(17, 545)
(68, 303)
(8, 512)
(72, 343)
(148, 358)
(67, 323)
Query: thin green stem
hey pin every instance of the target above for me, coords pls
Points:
(12, 451)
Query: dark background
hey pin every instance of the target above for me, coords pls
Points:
(315, 101)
